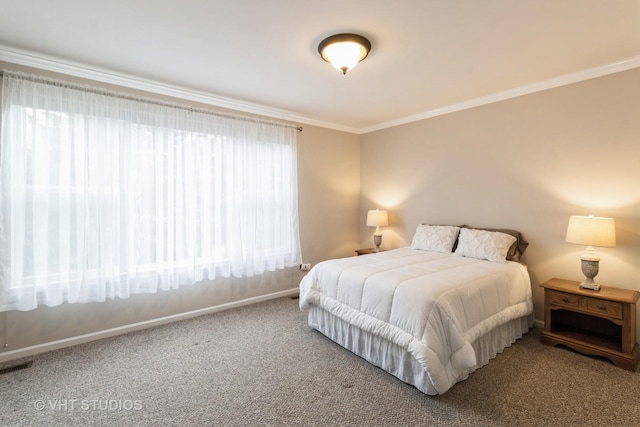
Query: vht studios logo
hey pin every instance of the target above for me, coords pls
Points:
(88, 405)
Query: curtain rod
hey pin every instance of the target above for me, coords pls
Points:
(140, 98)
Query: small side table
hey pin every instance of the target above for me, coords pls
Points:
(366, 251)
(596, 323)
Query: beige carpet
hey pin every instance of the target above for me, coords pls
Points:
(262, 365)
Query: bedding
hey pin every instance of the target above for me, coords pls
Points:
(490, 245)
(437, 238)
(517, 248)
(429, 318)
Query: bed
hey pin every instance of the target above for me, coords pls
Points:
(431, 313)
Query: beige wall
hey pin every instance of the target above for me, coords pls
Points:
(527, 163)
(329, 203)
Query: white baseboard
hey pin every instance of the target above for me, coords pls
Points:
(68, 342)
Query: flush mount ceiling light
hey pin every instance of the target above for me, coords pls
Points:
(344, 51)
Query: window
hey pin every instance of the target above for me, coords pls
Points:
(103, 195)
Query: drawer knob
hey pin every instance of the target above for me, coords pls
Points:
(602, 307)
(565, 299)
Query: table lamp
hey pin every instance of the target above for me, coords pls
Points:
(377, 219)
(591, 231)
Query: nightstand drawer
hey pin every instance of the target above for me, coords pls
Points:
(598, 306)
(564, 299)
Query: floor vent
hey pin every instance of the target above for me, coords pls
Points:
(16, 367)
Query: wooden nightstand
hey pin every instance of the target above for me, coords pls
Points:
(366, 251)
(596, 323)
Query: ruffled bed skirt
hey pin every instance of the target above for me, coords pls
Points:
(399, 362)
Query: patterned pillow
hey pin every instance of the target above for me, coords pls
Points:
(436, 238)
(517, 249)
(482, 244)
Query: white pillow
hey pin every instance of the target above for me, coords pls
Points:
(436, 238)
(483, 244)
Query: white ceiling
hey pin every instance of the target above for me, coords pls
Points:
(428, 56)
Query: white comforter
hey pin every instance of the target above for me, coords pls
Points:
(431, 304)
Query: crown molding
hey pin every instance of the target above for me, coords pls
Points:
(567, 79)
(57, 65)
(76, 69)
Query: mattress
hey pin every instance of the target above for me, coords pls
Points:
(428, 318)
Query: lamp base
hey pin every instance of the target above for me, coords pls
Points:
(592, 286)
(590, 270)
(377, 240)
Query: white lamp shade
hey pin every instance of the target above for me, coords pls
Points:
(591, 231)
(377, 218)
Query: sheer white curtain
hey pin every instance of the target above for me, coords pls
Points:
(103, 196)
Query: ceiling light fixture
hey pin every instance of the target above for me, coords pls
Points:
(344, 51)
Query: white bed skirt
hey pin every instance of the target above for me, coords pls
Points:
(400, 363)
